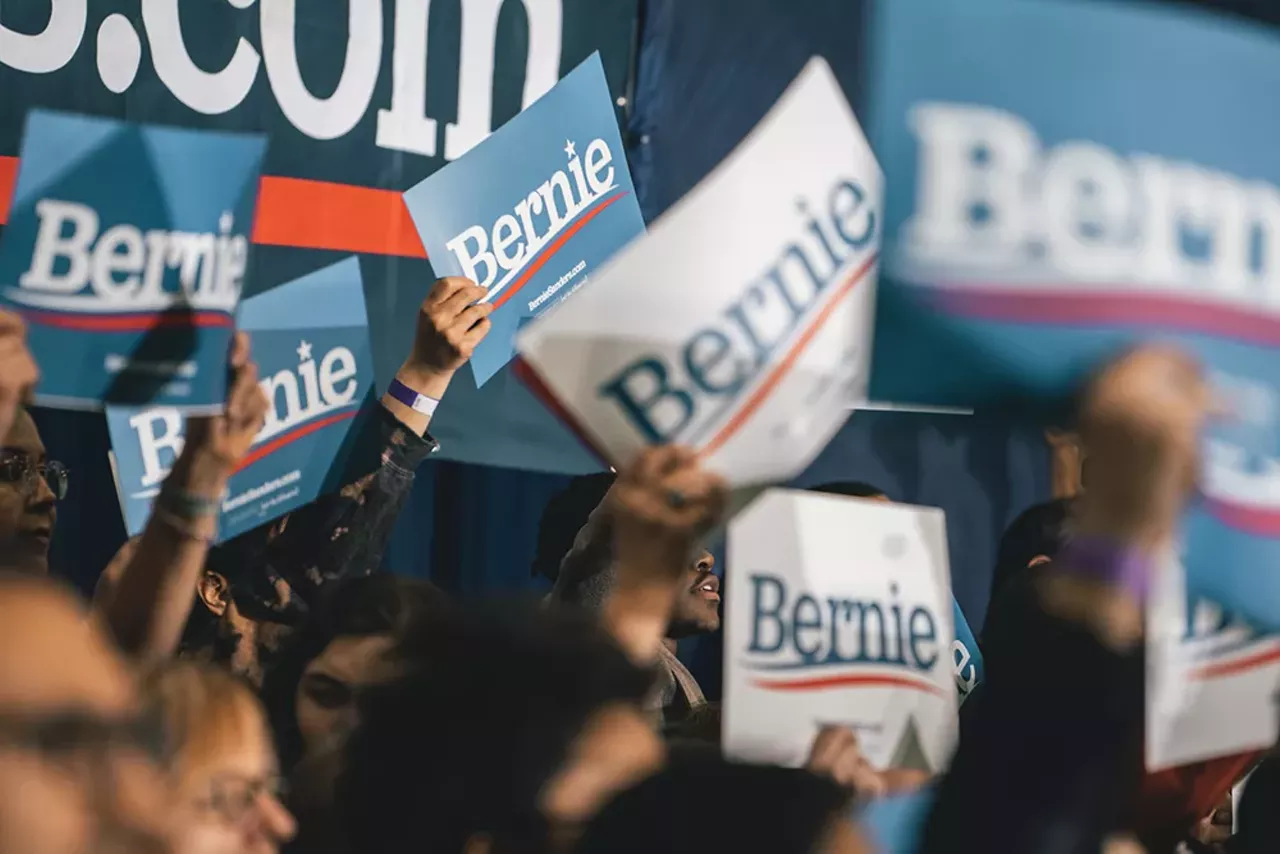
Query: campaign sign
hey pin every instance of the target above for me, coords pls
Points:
(741, 324)
(1204, 667)
(310, 340)
(808, 643)
(125, 252)
(532, 211)
(1066, 178)
(966, 658)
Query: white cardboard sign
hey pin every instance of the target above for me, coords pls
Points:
(839, 612)
(741, 324)
(1212, 680)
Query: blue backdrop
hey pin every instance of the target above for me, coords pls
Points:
(707, 72)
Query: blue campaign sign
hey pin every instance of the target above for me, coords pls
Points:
(310, 340)
(1064, 178)
(966, 657)
(125, 251)
(894, 822)
(530, 212)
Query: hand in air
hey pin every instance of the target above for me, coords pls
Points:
(661, 506)
(450, 324)
(223, 440)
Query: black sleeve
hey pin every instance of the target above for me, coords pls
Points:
(344, 533)
(1047, 751)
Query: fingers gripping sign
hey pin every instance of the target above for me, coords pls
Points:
(451, 323)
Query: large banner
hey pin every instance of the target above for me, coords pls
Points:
(361, 99)
(1064, 178)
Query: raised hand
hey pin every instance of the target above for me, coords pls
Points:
(837, 754)
(450, 324)
(661, 505)
(221, 441)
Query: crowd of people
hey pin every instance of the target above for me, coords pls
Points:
(278, 692)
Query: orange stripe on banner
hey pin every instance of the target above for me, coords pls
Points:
(309, 215)
(766, 387)
(321, 215)
(8, 177)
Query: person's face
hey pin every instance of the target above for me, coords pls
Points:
(28, 508)
(332, 683)
(233, 806)
(249, 633)
(697, 608)
(79, 770)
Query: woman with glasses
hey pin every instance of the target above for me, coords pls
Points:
(221, 760)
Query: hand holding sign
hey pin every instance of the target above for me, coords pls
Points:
(659, 507)
(837, 754)
(216, 444)
(662, 504)
(451, 323)
(18, 371)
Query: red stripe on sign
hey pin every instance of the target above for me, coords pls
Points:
(850, 681)
(1230, 668)
(127, 322)
(551, 250)
(290, 437)
(766, 388)
(308, 215)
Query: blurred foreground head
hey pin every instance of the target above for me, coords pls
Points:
(506, 731)
(773, 811)
(79, 769)
(222, 765)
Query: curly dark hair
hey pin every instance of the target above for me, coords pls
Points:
(484, 714)
(376, 604)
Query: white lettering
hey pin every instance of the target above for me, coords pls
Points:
(323, 118)
(475, 69)
(469, 260)
(52, 47)
(338, 366)
(598, 157)
(52, 245)
(211, 93)
(151, 443)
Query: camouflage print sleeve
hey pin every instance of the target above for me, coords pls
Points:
(344, 533)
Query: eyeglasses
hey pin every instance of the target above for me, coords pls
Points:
(233, 797)
(73, 735)
(18, 468)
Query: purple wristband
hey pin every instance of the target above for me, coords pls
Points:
(1109, 562)
(412, 399)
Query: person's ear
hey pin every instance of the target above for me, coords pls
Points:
(214, 592)
(1037, 560)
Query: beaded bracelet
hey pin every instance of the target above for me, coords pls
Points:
(187, 505)
(180, 526)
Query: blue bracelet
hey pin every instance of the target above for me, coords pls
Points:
(187, 505)
(1109, 562)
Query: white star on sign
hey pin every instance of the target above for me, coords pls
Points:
(569, 149)
(225, 222)
(304, 351)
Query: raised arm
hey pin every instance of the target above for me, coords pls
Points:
(1051, 753)
(345, 533)
(661, 506)
(146, 595)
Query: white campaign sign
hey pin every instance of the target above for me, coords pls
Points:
(839, 612)
(741, 325)
(1211, 679)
